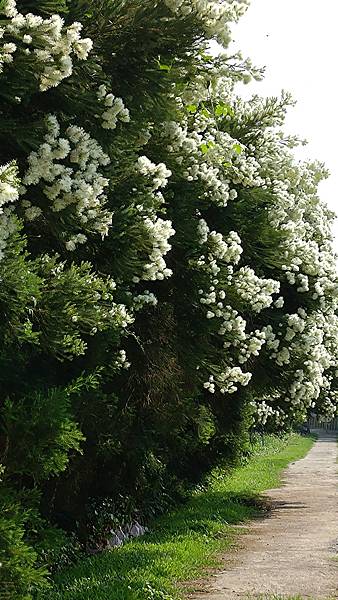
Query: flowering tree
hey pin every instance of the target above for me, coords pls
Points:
(167, 273)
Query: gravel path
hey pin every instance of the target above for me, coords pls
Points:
(292, 551)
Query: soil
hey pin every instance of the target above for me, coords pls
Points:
(294, 550)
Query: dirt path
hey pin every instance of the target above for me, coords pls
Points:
(292, 551)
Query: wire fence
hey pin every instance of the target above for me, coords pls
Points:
(314, 423)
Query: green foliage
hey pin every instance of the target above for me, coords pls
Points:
(206, 424)
(40, 433)
(85, 309)
(57, 550)
(19, 293)
(20, 573)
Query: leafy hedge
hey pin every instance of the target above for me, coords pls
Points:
(168, 282)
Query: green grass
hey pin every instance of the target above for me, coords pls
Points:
(184, 544)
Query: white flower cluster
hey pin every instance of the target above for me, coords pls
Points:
(315, 345)
(159, 232)
(7, 50)
(308, 260)
(213, 14)
(9, 8)
(213, 161)
(307, 385)
(158, 174)
(245, 170)
(219, 81)
(201, 158)
(272, 343)
(264, 412)
(75, 184)
(146, 298)
(233, 331)
(311, 341)
(232, 328)
(9, 194)
(228, 250)
(121, 315)
(328, 408)
(221, 253)
(121, 360)
(233, 325)
(255, 291)
(203, 231)
(213, 157)
(8, 185)
(282, 357)
(218, 189)
(114, 109)
(252, 346)
(227, 381)
(47, 41)
(214, 300)
(305, 343)
(295, 324)
(279, 303)
(219, 249)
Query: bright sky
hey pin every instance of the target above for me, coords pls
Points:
(297, 41)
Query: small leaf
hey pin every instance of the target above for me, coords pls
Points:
(206, 147)
(221, 110)
(192, 108)
(164, 67)
(237, 148)
(207, 57)
(205, 112)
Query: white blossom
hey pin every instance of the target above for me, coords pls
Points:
(9, 194)
(159, 232)
(158, 174)
(50, 43)
(80, 187)
(213, 14)
(113, 109)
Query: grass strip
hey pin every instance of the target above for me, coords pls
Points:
(184, 544)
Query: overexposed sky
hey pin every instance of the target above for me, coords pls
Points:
(297, 42)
